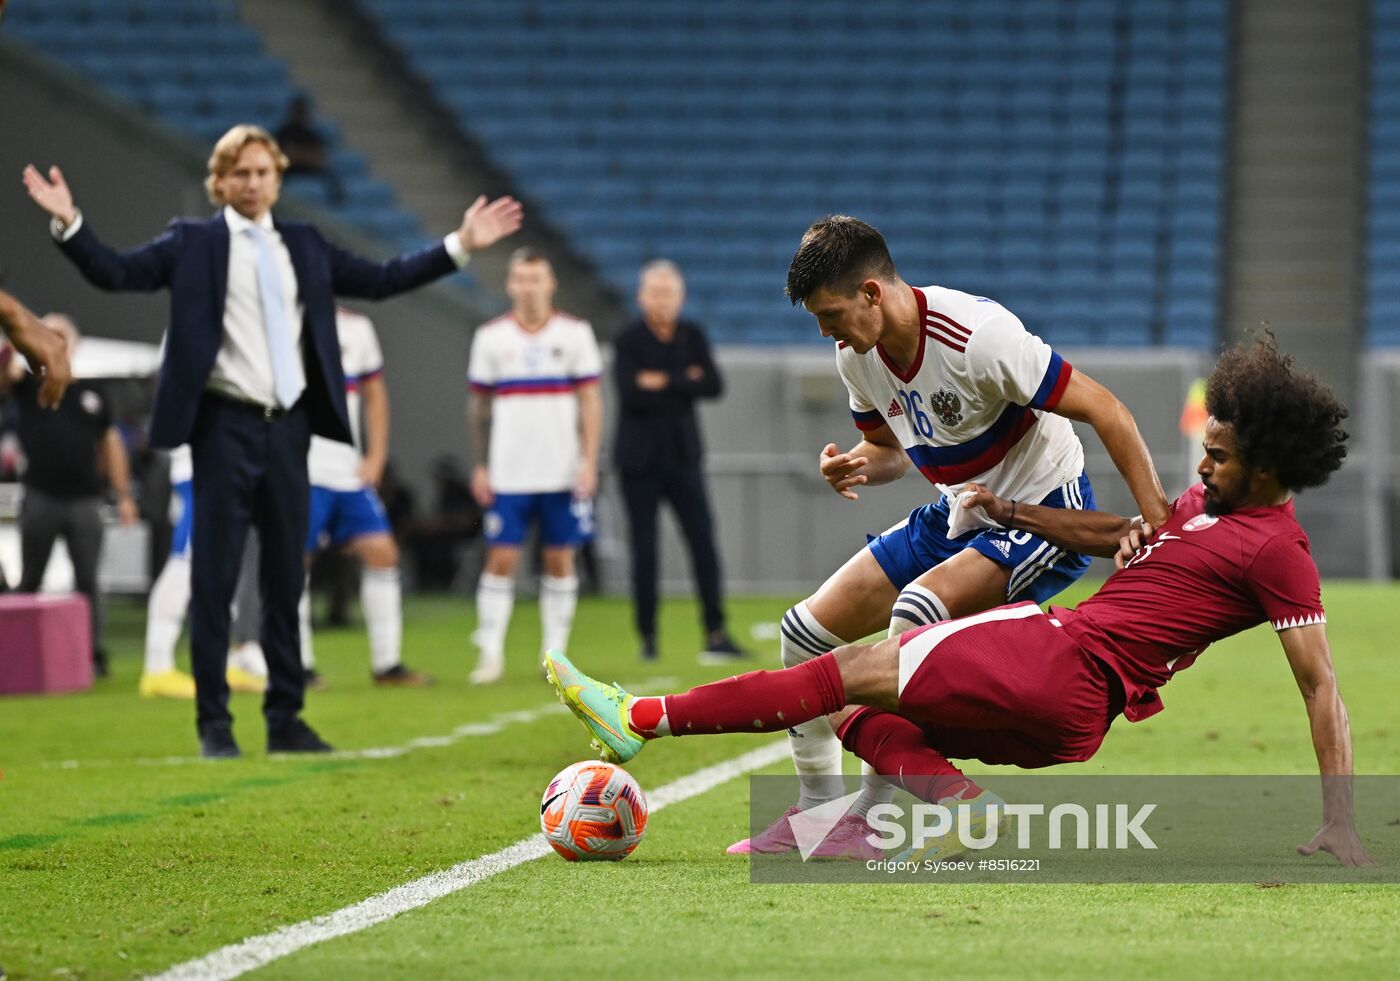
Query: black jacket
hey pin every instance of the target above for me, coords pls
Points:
(659, 429)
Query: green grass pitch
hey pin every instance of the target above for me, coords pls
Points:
(117, 862)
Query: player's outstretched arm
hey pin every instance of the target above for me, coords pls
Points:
(1088, 532)
(877, 459)
(1310, 657)
(1085, 400)
(43, 348)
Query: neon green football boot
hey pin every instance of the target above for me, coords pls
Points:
(602, 708)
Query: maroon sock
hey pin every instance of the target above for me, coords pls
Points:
(760, 701)
(898, 751)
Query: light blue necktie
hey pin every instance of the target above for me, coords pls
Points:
(279, 336)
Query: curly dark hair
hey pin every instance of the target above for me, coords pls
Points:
(1285, 420)
(839, 252)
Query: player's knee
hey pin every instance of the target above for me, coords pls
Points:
(799, 641)
(917, 606)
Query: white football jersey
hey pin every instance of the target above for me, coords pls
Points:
(333, 465)
(533, 379)
(973, 405)
(181, 464)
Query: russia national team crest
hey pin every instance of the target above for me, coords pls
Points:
(1200, 522)
(947, 406)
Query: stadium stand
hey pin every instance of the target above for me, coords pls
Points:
(1383, 213)
(194, 67)
(1065, 157)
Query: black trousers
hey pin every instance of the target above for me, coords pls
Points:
(42, 519)
(684, 488)
(249, 471)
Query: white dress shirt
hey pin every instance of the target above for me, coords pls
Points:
(243, 368)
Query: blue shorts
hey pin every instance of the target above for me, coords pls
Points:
(339, 516)
(184, 523)
(1039, 570)
(563, 520)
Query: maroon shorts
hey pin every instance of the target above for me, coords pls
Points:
(1006, 686)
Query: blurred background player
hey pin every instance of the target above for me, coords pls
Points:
(955, 384)
(346, 511)
(169, 602)
(74, 454)
(535, 417)
(662, 365)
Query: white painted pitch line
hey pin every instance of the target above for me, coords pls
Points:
(255, 952)
(490, 727)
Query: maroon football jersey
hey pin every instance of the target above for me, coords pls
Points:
(1198, 579)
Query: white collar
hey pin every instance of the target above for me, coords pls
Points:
(238, 224)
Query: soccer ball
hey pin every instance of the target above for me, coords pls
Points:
(593, 811)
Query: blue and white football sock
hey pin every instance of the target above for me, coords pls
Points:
(558, 601)
(165, 614)
(308, 655)
(381, 599)
(816, 752)
(495, 598)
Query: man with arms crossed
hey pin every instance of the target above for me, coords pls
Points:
(955, 384)
(536, 419)
(1017, 686)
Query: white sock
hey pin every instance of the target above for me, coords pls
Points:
(165, 614)
(874, 789)
(816, 752)
(308, 653)
(558, 600)
(381, 598)
(249, 656)
(495, 597)
(916, 607)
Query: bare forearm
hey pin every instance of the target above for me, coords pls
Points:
(1087, 532)
(118, 470)
(590, 424)
(376, 402)
(1119, 434)
(886, 463)
(479, 429)
(1331, 736)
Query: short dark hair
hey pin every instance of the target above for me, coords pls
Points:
(1285, 420)
(839, 252)
(527, 253)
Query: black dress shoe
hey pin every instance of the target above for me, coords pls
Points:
(295, 737)
(216, 743)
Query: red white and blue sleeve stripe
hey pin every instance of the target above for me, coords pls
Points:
(1053, 385)
(868, 420)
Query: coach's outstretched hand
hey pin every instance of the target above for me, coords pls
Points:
(486, 223)
(52, 195)
(1339, 839)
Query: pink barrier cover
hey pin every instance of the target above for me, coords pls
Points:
(45, 643)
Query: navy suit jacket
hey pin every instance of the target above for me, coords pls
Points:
(191, 260)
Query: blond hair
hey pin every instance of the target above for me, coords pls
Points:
(230, 146)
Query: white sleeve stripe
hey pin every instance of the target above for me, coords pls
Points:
(1292, 622)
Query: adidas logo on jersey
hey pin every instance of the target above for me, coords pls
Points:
(894, 409)
(1002, 546)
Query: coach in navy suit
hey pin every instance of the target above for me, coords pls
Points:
(251, 370)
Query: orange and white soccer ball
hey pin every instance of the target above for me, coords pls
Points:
(593, 811)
